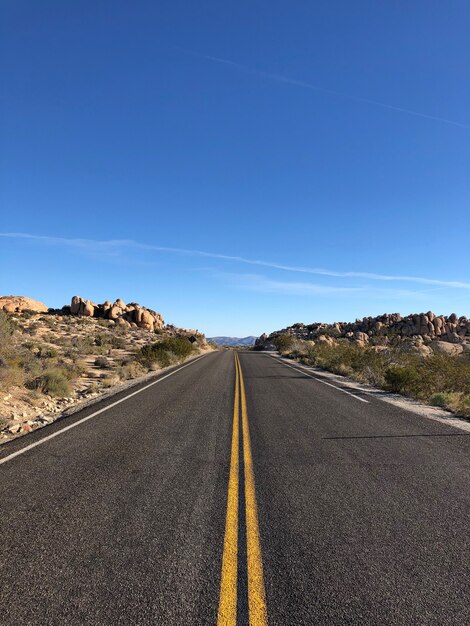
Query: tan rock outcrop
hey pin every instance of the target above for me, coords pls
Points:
(444, 347)
(119, 312)
(386, 328)
(88, 309)
(18, 304)
(75, 305)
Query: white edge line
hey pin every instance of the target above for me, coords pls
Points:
(88, 417)
(321, 381)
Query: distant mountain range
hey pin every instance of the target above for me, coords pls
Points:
(233, 341)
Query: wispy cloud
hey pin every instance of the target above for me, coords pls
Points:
(114, 247)
(280, 78)
(259, 283)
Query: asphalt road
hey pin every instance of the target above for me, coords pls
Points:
(315, 506)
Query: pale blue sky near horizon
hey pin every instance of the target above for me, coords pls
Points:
(237, 167)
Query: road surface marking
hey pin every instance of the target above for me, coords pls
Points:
(227, 615)
(89, 417)
(256, 593)
(302, 371)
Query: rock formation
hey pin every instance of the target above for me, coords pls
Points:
(419, 327)
(121, 313)
(18, 304)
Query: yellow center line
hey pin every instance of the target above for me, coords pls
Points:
(227, 615)
(256, 593)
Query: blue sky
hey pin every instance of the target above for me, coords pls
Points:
(237, 166)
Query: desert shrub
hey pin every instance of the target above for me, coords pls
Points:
(452, 401)
(463, 406)
(7, 328)
(28, 313)
(102, 361)
(50, 322)
(33, 328)
(72, 370)
(373, 374)
(84, 345)
(52, 382)
(46, 352)
(283, 342)
(102, 340)
(10, 377)
(109, 381)
(130, 370)
(24, 359)
(401, 378)
(180, 346)
(165, 352)
(441, 399)
(117, 342)
(51, 338)
(64, 342)
(72, 353)
(153, 354)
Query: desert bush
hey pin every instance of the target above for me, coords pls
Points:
(102, 361)
(64, 342)
(102, 340)
(46, 352)
(452, 401)
(131, 370)
(26, 360)
(180, 346)
(150, 355)
(72, 370)
(283, 343)
(7, 328)
(109, 381)
(11, 377)
(441, 399)
(33, 328)
(50, 322)
(117, 342)
(52, 382)
(401, 378)
(84, 345)
(165, 352)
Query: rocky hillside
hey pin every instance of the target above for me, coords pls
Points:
(419, 328)
(51, 360)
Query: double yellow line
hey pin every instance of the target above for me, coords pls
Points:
(227, 615)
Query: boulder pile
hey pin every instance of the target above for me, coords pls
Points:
(119, 312)
(422, 327)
